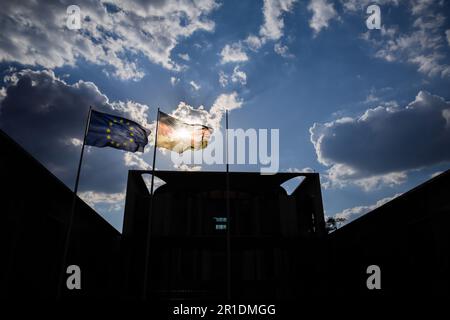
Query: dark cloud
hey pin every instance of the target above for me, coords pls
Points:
(47, 117)
(386, 140)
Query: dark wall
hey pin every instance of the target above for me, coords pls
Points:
(34, 207)
(408, 238)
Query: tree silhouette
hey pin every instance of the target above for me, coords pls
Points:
(333, 223)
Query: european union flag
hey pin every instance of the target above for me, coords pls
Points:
(106, 130)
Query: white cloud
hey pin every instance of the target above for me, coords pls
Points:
(194, 85)
(75, 142)
(185, 167)
(224, 102)
(239, 76)
(134, 110)
(361, 5)
(282, 50)
(436, 174)
(34, 33)
(105, 202)
(254, 43)
(371, 98)
(184, 56)
(272, 29)
(174, 80)
(420, 6)
(233, 53)
(2, 95)
(341, 175)
(382, 145)
(211, 118)
(94, 199)
(421, 45)
(322, 12)
(273, 10)
(430, 65)
(135, 161)
(223, 79)
(353, 5)
(446, 116)
(355, 212)
(304, 170)
(447, 33)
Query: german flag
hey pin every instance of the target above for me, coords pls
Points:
(178, 136)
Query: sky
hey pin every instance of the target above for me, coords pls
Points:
(369, 109)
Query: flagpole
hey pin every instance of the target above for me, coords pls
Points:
(228, 213)
(203, 134)
(72, 211)
(147, 251)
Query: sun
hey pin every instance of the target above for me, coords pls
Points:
(182, 134)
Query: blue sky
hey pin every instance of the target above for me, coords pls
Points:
(365, 108)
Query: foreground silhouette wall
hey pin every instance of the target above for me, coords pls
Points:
(34, 207)
(408, 238)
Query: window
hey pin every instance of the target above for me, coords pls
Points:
(221, 223)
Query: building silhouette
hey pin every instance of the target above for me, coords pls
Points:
(273, 236)
(279, 246)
